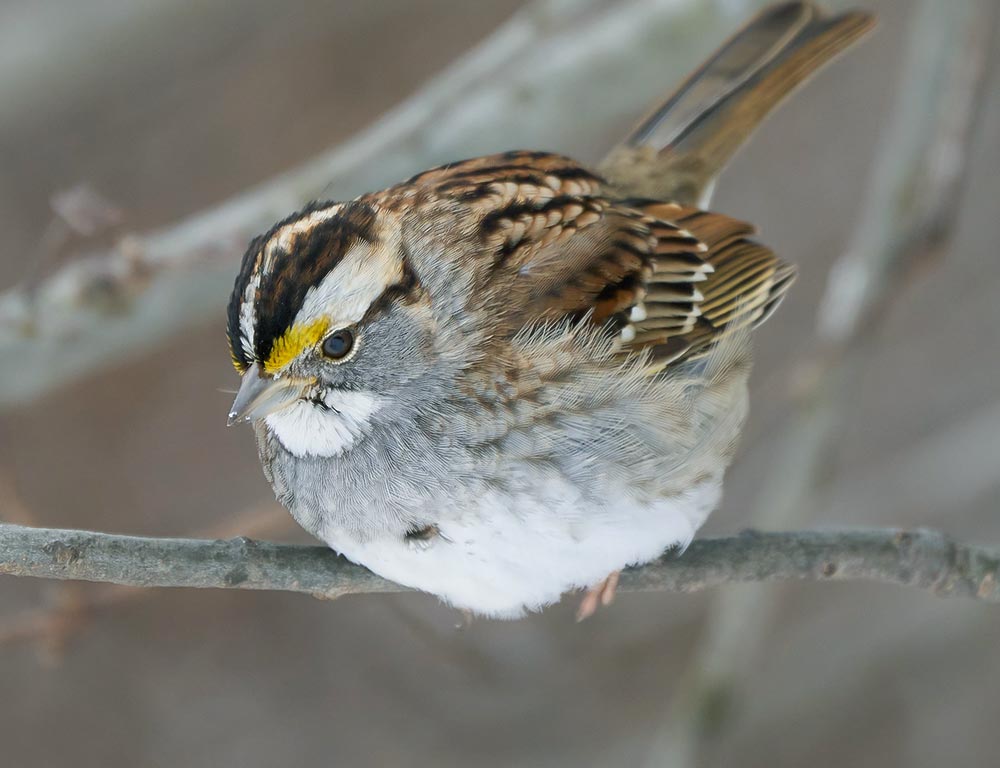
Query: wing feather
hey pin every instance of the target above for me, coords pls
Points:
(672, 280)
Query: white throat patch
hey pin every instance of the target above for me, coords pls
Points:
(309, 429)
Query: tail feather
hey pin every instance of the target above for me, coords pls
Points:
(676, 152)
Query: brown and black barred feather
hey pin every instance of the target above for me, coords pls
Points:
(557, 243)
(745, 286)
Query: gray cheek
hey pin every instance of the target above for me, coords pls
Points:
(392, 351)
(395, 352)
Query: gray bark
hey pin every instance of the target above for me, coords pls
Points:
(925, 559)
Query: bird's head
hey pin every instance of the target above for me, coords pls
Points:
(326, 323)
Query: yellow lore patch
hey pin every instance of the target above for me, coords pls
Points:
(292, 342)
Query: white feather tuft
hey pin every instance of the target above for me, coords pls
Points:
(309, 429)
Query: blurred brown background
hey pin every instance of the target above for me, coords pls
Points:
(167, 106)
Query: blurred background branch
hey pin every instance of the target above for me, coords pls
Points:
(922, 558)
(906, 221)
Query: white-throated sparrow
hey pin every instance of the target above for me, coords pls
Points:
(512, 376)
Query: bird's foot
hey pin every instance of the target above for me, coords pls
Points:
(600, 594)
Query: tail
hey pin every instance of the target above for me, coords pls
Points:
(676, 152)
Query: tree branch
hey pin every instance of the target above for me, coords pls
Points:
(925, 559)
(68, 609)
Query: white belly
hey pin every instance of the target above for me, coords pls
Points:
(502, 556)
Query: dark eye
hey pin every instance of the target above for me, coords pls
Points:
(338, 344)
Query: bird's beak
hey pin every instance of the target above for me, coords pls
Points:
(260, 395)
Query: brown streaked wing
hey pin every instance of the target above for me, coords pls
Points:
(673, 279)
(556, 247)
(745, 285)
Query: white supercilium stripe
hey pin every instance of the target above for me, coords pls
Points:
(346, 293)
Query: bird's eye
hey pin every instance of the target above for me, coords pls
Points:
(338, 344)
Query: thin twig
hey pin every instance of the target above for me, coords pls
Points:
(925, 559)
